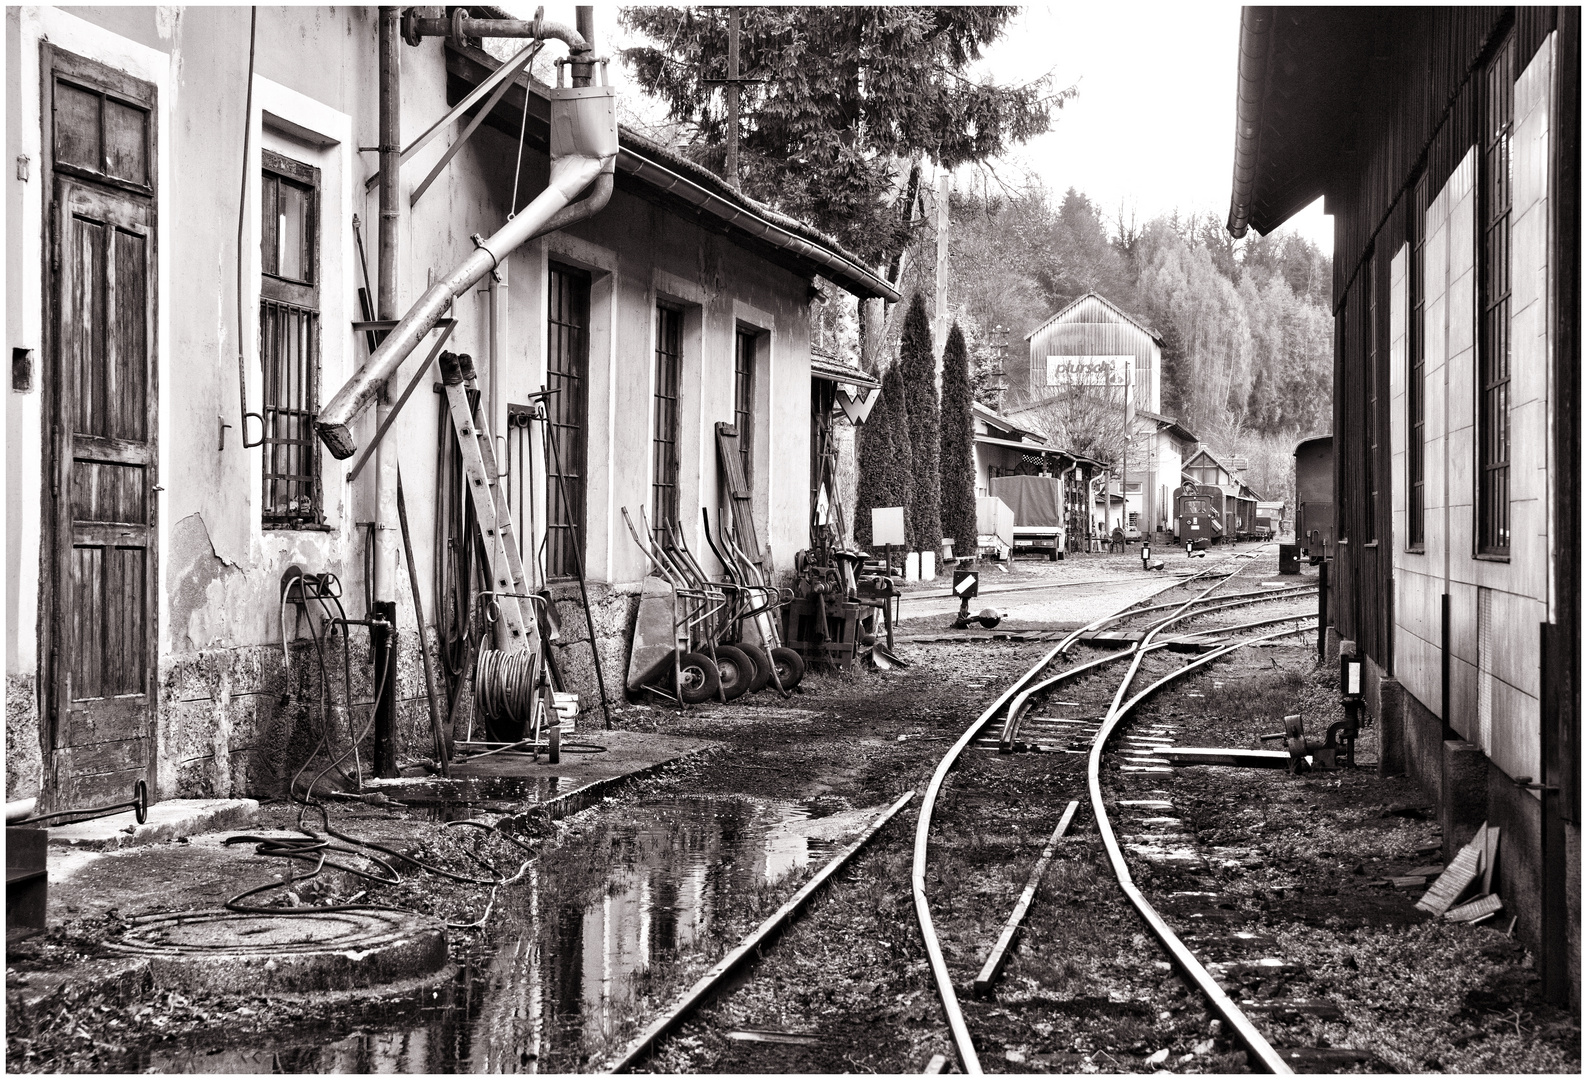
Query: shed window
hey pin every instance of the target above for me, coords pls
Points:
(289, 341)
(668, 422)
(567, 371)
(1493, 350)
(1415, 432)
(1369, 462)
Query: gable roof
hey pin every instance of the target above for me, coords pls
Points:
(1088, 304)
(654, 173)
(997, 419)
(1170, 425)
(1210, 456)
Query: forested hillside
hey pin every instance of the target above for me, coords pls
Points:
(1248, 358)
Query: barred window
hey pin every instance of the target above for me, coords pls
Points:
(1415, 390)
(744, 399)
(1493, 348)
(664, 444)
(567, 371)
(289, 341)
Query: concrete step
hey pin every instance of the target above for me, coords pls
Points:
(165, 821)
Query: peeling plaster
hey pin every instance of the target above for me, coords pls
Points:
(167, 21)
(198, 581)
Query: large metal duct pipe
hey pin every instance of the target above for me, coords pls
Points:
(583, 159)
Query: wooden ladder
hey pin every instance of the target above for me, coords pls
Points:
(517, 629)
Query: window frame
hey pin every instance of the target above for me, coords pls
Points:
(746, 350)
(1416, 373)
(666, 417)
(281, 301)
(567, 411)
(1370, 412)
(1491, 468)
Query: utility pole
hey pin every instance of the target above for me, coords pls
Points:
(734, 25)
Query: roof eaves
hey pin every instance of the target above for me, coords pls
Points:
(666, 172)
(1256, 50)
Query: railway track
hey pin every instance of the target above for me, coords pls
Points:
(1069, 715)
(1199, 617)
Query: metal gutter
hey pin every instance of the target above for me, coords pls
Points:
(1256, 50)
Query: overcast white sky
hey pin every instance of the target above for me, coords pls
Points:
(1153, 124)
(1152, 128)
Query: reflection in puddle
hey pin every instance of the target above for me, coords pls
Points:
(587, 936)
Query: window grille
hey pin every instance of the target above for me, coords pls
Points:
(664, 443)
(289, 342)
(567, 372)
(744, 399)
(1493, 353)
(1415, 389)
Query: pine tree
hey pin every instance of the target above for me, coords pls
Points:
(957, 462)
(919, 366)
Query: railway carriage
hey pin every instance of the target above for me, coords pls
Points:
(1314, 497)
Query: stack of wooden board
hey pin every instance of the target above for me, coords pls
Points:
(1470, 869)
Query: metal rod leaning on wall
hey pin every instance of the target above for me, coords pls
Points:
(578, 547)
(242, 219)
(443, 747)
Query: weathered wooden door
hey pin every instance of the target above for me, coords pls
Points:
(103, 474)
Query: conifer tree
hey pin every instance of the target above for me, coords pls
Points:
(875, 462)
(919, 373)
(957, 462)
(898, 484)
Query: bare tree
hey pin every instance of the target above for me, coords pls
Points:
(1083, 420)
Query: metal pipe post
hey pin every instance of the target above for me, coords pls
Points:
(383, 639)
(385, 585)
(583, 68)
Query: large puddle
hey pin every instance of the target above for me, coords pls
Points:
(602, 927)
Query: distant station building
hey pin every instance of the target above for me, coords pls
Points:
(1091, 345)
(1446, 144)
(1005, 448)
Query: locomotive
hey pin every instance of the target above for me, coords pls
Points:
(1211, 513)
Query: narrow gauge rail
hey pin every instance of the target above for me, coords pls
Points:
(1012, 706)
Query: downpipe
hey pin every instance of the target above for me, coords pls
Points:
(583, 162)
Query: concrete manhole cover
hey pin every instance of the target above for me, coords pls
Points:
(344, 950)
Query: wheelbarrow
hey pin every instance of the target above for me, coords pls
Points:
(787, 666)
(695, 676)
(742, 670)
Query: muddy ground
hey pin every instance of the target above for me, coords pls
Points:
(1297, 864)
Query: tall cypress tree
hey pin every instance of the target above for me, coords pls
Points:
(957, 461)
(899, 478)
(919, 366)
(875, 465)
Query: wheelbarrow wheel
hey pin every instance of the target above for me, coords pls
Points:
(697, 678)
(762, 664)
(790, 666)
(735, 669)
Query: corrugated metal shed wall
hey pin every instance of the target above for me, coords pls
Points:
(1422, 114)
(1091, 328)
